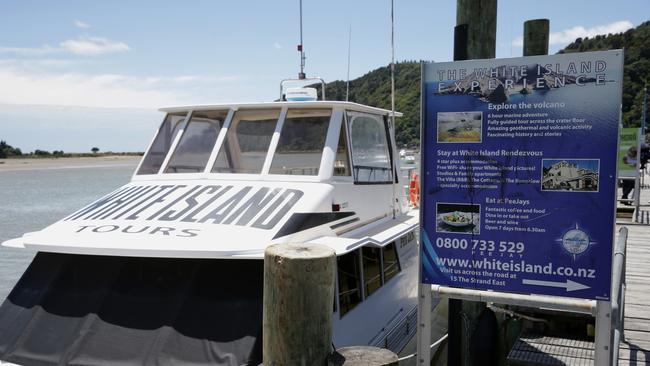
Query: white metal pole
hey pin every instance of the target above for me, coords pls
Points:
(603, 341)
(424, 324)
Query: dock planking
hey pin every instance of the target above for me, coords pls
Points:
(635, 349)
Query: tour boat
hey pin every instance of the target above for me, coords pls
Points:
(168, 269)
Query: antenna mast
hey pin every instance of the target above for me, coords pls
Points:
(347, 84)
(392, 61)
(392, 85)
(301, 49)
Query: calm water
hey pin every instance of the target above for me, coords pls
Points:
(33, 199)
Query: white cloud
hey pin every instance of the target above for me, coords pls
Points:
(80, 24)
(93, 46)
(277, 45)
(27, 51)
(82, 45)
(75, 89)
(25, 82)
(569, 35)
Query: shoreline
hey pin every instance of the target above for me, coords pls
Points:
(21, 164)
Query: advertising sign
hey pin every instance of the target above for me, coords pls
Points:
(519, 164)
(628, 163)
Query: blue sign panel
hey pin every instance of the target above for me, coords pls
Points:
(519, 173)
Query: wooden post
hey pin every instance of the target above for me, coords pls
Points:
(460, 42)
(474, 38)
(363, 356)
(536, 33)
(298, 300)
(481, 19)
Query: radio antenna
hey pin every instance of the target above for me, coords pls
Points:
(347, 84)
(392, 83)
(301, 49)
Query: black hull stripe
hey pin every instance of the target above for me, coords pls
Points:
(303, 221)
(347, 222)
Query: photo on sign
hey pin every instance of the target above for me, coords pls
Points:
(460, 127)
(570, 175)
(459, 218)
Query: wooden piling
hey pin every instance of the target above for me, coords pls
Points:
(481, 19)
(536, 34)
(474, 38)
(363, 356)
(298, 300)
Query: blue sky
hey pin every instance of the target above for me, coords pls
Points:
(77, 74)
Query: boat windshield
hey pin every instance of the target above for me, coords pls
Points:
(170, 127)
(247, 142)
(256, 141)
(193, 150)
(301, 142)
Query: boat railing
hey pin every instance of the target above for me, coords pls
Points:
(397, 337)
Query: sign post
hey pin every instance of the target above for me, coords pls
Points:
(519, 173)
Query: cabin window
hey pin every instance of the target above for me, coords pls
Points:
(197, 142)
(349, 275)
(301, 144)
(371, 269)
(390, 261)
(247, 141)
(342, 162)
(155, 157)
(378, 265)
(369, 143)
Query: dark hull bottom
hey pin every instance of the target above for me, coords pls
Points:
(102, 310)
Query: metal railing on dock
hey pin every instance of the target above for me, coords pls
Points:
(618, 293)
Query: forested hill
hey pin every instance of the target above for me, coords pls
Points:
(373, 88)
(636, 43)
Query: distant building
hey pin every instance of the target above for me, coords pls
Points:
(568, 176)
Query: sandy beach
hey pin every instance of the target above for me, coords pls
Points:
(68, 163)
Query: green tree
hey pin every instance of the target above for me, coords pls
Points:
(636, 69)
(95, 150)
(7, 150)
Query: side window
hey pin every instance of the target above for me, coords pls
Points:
(170, 127)
(197, 142)
(391, 262)
(247, 142)
(301, 143)
(342, 161)
(378, 265)
(349, 281)
(371, 269)
(369, 143)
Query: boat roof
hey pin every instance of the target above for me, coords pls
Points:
(317, 103)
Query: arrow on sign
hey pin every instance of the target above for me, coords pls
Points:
(569, 285)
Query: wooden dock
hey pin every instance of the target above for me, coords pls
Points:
(634, 350)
